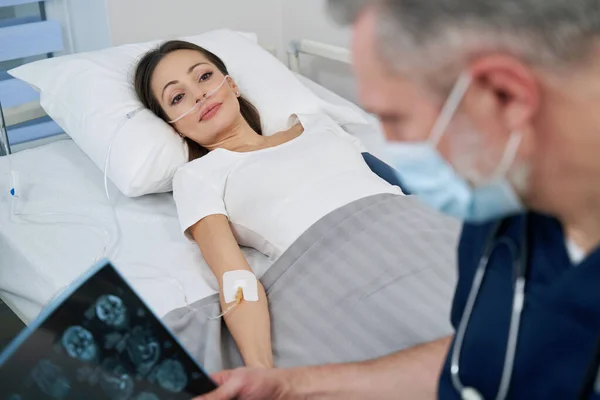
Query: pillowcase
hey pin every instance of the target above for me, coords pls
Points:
(91, 96)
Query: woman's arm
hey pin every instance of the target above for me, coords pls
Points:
(249, 323)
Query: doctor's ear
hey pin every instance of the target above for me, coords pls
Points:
(507, 89)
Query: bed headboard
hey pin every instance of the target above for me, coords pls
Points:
(25, 35)
(310, 47)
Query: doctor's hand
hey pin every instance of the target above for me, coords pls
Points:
(250, 384)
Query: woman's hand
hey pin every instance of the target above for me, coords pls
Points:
(250, 384)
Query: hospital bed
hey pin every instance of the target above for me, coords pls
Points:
(67, 222)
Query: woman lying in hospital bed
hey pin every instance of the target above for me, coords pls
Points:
(242, 188)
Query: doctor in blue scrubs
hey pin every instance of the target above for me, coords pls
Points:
(492, 113)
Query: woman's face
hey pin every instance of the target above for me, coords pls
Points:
(183, 78)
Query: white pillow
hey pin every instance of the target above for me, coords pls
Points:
(91, 95)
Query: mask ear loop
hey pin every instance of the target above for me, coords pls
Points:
(510, 154)
(450, 107)
(201, 101)
(449, 110)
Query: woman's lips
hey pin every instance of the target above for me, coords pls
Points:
(210, 112)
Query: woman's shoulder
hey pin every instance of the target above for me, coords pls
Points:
(212, 166)
(323, 123)
(311, 121)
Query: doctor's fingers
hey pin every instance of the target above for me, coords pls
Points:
(250, 384)
(231, 385)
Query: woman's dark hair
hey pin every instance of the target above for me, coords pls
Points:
(143, 88)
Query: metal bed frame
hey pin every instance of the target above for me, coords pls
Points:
(17, 115)
(4, 145)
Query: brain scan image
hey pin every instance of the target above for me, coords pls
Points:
(171, 376)
(100, 342)
(79, 343)
(143, 349)
(146, 396)
(111, 310)
(114, 341)
(116, 383)
(85, 374)
(90, 313)
(50, 379)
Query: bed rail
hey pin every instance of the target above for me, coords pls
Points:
(313, 48)
(4, 145)
(14, 116)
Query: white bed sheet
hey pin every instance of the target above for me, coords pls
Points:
(39, 260)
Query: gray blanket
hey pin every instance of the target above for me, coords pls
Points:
(371, 278)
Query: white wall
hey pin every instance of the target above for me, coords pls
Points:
(275, 21)
(96, 24)
(90, 23)
(142, 20)
(308, 19)
(85, 23)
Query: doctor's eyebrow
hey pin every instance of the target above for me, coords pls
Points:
(190, 70)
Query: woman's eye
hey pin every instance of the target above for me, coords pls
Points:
(177, 99)
(205, 76)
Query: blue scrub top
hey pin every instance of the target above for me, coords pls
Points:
(560, 323)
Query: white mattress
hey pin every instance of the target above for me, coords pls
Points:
(38, 260)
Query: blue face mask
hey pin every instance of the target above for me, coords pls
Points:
(428, 175)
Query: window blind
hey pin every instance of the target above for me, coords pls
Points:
(25, 36)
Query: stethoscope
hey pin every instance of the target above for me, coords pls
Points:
(520, 263)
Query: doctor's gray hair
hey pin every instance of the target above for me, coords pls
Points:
(440, 33)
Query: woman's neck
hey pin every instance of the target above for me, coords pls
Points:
(240, 136)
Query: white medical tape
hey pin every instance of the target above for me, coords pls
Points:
(234, 280)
